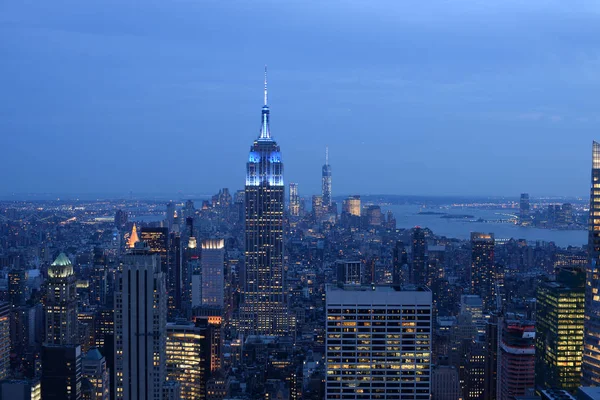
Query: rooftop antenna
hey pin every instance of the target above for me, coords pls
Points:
(265, 84)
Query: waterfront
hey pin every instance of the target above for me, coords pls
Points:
(407, 216)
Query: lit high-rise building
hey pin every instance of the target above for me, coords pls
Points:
(318, 208)
(140, 326)
(326, 182)
(264, 307)
(378, 342)
(559, 330)
(516, 359)
(94, 370)
(61, 303)
(5, 310)
(98, 279)
(352, 205)
(17, 279)
(294, 200)
(591, 344)
(483, 269)
(213, 271)
(188, 358)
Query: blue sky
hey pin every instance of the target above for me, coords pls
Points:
(433, 98)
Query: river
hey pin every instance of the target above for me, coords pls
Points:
(407, 217)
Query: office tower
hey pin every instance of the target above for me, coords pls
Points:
(93, 367)
(5, 311)
(491, 361)
(213, 266)
(516, 358)
(140, 326)
(374, 216)
(61, 303)
(349, 272)
(318, 208)
(98, 279)
(399, 260)
(24, 389)
(133, 238)
(326, 182)
(445, 383)
(157, 240)
(294, 200)
(567, 210)
(473, 371)
(389, 329)
(120, 219)
(170, 215)
(188, 358)
(524, 209)
(559, 330)
(17, 280)
(175, 274)
(591, 342)
(482, 269)
(418, 273)
(265, 303)
(352, 205)
(61, 372)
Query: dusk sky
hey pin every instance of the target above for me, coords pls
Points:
(426, 98)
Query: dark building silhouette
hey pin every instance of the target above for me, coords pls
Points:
(418, 273)
(61, 372)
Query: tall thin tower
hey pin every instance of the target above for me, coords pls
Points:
(326, 182)
(591, 339)
(264, 308)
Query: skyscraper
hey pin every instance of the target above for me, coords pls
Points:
(516, 359)
(294, 200)
(5, 310)
(94, 370)
(378, 342)
(591, 342)
(483, 269)
(188, 358)
(265, 306)
(418, 273)
(326, 182)
(17, 279)
(524, 209)
(559, 330)
(140, 326)
(61, 303)
(213, 266)
(61, 372)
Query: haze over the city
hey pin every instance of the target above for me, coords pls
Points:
(441, 98)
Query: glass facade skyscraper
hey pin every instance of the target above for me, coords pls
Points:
(264, 310)
(591, 341)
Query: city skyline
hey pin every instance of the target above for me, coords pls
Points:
(410, 117)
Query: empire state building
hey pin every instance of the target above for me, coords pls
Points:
(264, 307)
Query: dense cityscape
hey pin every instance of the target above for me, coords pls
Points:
(263, 293)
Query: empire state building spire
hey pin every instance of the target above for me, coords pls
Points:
(265, 131)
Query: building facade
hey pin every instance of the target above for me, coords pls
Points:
(213, 266)
(140, 326)
(516, 359)
(591, 348)
(483, 269)
(378, 342)
(559, 330)
(326, 182)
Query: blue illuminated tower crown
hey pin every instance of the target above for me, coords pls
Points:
(264, 165)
